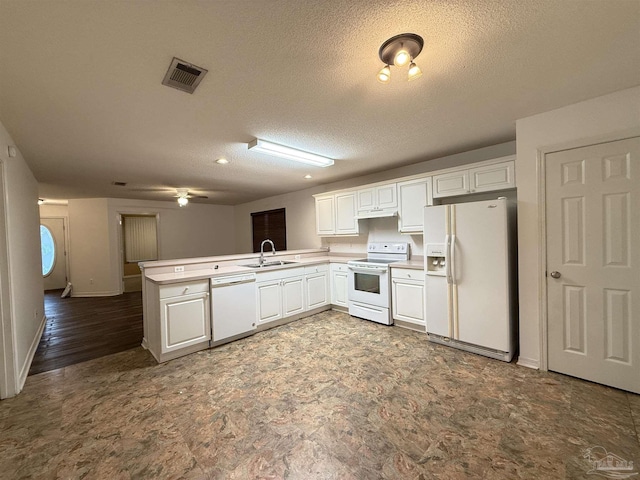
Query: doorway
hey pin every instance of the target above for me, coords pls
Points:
(593, 263)
(139, 240)
(53, 246)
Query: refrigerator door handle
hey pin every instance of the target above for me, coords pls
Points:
(447, 258)
(452, 260)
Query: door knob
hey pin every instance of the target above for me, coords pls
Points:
(555, 274)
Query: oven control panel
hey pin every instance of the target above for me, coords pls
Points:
(381, 247)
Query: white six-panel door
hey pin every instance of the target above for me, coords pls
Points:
(593, 257)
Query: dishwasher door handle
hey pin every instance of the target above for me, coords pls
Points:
(238, 282)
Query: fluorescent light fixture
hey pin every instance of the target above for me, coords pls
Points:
(289, 153)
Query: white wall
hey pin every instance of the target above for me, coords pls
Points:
(301, 214)
(21, 284)
(601, 119)
(48, 210)
(91, 267)
(196, 230)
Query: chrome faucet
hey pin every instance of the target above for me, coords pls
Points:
(273, 249)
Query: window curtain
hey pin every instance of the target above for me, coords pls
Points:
(140, 239)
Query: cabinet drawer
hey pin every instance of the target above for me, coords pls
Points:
(310, 269)
(339, 267)
(184, 288)
(407, 274)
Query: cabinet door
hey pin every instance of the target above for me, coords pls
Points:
(492, 177)
(387, 196)
(413, 196)
(407, 300)
(339, 288)
(292, 296)
(366, 199)
(317, 290)
(325, 215)
(185, 321)
(448, 184)
(346, 222)
(269, 301)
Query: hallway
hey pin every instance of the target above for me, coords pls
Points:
(81, 329)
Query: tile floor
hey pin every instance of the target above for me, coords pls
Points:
(327, 397)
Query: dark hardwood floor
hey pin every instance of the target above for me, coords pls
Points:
(80, 329)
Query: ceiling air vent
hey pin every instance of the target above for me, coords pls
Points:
(119, 184)
(183, 76)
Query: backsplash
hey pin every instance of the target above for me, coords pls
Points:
(379, 230)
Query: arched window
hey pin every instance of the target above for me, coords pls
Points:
(48, 248)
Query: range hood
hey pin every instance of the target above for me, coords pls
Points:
(377, 214)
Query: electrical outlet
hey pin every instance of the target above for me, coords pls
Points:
(178, 269)
(297, 257)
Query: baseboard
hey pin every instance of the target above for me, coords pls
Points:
(94, 294)
(528, 362)
(24, 371)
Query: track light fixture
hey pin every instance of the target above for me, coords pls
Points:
(400, 51)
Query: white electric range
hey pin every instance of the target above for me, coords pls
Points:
(369, 284)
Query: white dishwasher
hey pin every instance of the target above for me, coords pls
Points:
(233, 305)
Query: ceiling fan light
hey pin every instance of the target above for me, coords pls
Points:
(182, 201)
(384, 75)
(414, 72)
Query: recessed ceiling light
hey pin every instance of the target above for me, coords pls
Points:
(222, 161)
(307, 176)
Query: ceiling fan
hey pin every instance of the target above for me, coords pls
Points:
(179, 192)
(183, 196)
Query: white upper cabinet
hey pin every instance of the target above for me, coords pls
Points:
(486, 178)
(492, 177)
(325, 215)
(449, 184)
(346, 222)
(336, 214)
(383, 197)
(413, 196)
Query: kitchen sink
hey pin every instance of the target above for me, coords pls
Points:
(269, 264)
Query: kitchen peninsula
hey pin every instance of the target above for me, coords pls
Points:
(180, 317)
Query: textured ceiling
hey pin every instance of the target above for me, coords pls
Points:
(81, 93)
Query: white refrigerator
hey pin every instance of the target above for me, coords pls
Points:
(469, 279)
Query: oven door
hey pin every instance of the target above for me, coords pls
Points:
(369, 285)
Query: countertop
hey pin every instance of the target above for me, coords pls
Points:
(414, 264)
(203, 274)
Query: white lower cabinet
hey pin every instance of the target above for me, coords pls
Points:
(317, 285)
(292, 296)
(184, 316)
(339, 285)
(269, 307)
(280, 294)
(407, 295)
